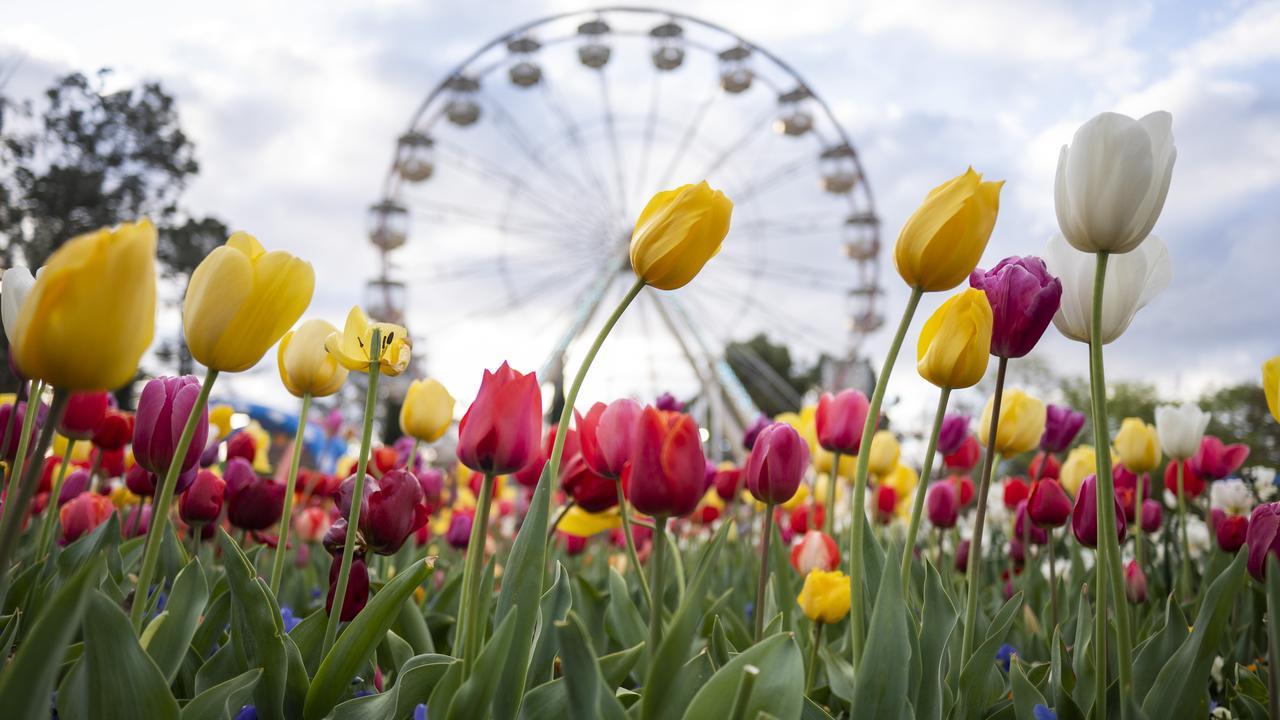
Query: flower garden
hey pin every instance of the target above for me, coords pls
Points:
(597, 564)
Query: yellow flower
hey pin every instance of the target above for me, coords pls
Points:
(305, 367)
(580, 523)
(261, 445)
(1271, 385)
(1022, 420)
(351, 346)
(122, 498)
(903, 480)
(427, 411)
(677, 233)
(1137, 445)
(943, 240)
(240, 302)
(825, 596)
(92, 311)
(220, 418)
(79, 453)
(884, 453)
(956, 341)
(1081, 462)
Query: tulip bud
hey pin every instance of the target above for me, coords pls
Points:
(965, 458)
(1216, 460)
(1023, 527)
(953, 433)
(962, 557)
(82, 514)
(1049, 506)
(728, 481)
(815, 551)
(942, 241)
(1084, 517)
(1152, 516)
(459, 533)
(591, 491)
(391, 513)
(826, 596)
(838, 421)
(163, 409)
(1043, 466)
(605, 435)
(1271, 385)
(11, 416)
(357, 588)
(777, 464)
(751, 433)
(1137, 445)
(17, 283)
(955, 343)
(666, 473)
(964, 489)
(886, 503)
(202, 502)
(140, 481)
(1231, 532)
(1022, 422)
(335, 538)
(1017, 552)
(1180, 429)
(1016, 490)
(1080, 463)
(1192, 484)
(499, 433)
(306, 368)
(114, 431)
(253, 502)
(677, 233)
(110, 462)
(1061, 425)
(432, 482)
(1135, 583)
(85, 411)
(73, 484)
(884, 453)
(312, 524)
(1023, 297)
(242, 445)
(800, 517)
(942, 504)
(427, 411)
(137, 521)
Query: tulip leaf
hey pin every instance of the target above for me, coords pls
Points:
(475, 695)
(839, 674)
(28, 680)
(589, 696)
(548, 701)
(980, 675)
(10, 635)
(224, 699)
(778, 691)
(1062, 681)
(1157, 650)
(1082, 654)
(257, 630)
(937, 626)
(813, 711)
(122, 681)
(415, 681)
(1025, 695)
(881, 686)
(168, 644)
(356, 644)
(219, 668)
(626, 625)
(392, 653)
(308, 636)
(412, 626)
(522, 583)
(554, 608)
(1182, 684)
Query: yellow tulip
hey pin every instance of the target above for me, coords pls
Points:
(240, 302)
(1137, 445)
(305, 367)
(261, 445)
(943, 240)
(79, 453)
(351, 346)
(92, 311)
(677, 233)
(220, 418)
(427, 411)
(580, 523)
(1081, 462)
(884, 453)
(825, 596)
(903, 479)
(955, 342)
(1271, 385)
(1022, 419)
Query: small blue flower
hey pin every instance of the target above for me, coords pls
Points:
(420, 712)
(1040, 712)
(248, 712)
(363, 693)
(315, 593)
(290, 621)
(751, 608)
(1004, 654)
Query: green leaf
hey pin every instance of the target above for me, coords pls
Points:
(10, 634)
(554, 608)
(167, 644)
(549, 701)
(29, 679)
(122, 680)
(522, 588)
(1156, 651)
(937, 625)
(1062, 681)
(778, 691)
(1025, 695)
(625, 624)
(75, 555)
(589, 697)
(1082, 653)
(308, 636)
(476, 694)
(980, 676)
(219, 668)
(881, 685)
(257, 630)
(392, 653)
(839, 674)
(223, 700)
(412, 626)
(417, 678)
(357, 642)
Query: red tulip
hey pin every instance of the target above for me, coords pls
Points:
(1192, 484)
(253, 502)
(839, 421)
(83, 514)
(815, 551)
(357, 588)
(800, 517)
(499, 433)
(966, 458)
(1231, 532)
(84, 413)
(110, 462)
(1126, 485)
(886, 501)
(592, 491)
(667, 468)
(1044, 465)
(964, 489)
(242, 445)
(777, 464)
(942, 504)
(391, 513)
(1152, 515)
(1216, 460)
(727, 482)
(114, 431)
(1135, 583)
(573, 544)
(1049, 506)
(1015, 491)
(202, 502)
(1084, 517)
(605, 435)
(383, 460)
(140, 481)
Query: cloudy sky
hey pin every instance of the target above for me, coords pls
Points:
(294, 108)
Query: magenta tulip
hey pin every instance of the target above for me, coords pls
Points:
(502, 430)
(1263, 538)
(942, 504)
(1024, 527)
(1216, 460)
(1023, 297)
(1049, 506)
(1152, 515)
(1135, 583)
(201, 504)
(777, 464)
(163, 409)
(1061, 425)
(85, 412)
(604, 434)
(952, 434)
(1084, 517)
(839, 420)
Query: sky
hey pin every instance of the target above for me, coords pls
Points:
(295, 107)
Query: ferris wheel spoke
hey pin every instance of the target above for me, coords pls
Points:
(789, 279)
(771, 179)
(686, 137)
(650, 126)
(552, 282)
(522, 142)
(616, 152)
(743, 141)
(484, 217)
(485, 169)
(803, 226)
(574, 132)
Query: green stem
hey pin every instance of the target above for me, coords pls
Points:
(357, 496)
(19, 498)
(1108, 543)
(813, 656)
(758, 612)
(555, 523)
(51, 507)
(1184, 576)
(657, 576)
(1273, 640)
(829, 520)
(472, 588)
(631, 543)
(1139, 547)
(163, 501)
(917, 508)
(975, 542)
(738, 711)
(28, 419)
(858, 522)
(286, 518)
(1053, 582)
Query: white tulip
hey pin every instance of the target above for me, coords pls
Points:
(14, 286)
(1112, 181)
(1133, 279)
(1181, 428)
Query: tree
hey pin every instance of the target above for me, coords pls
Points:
(769, 375)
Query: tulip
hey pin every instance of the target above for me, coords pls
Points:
(1016, 490)
(140, 481)
(83, 514)
(1152, 515)
(1132, 281)
(432, 482)
(677, 233)
(163, 409)
(1025, 527)
(1135, 583)
(393, 511)
(825, 597)
(1023, 297)
(963, 485)
(1080, 463)
(1112, 181)
(1263, 538)
(886, 502)
(352, 346)
(500, 431)
(777, 464)
(1138, 445)
(962, 557)
(427, 411)
(1216, 460)
(114, 432)
(242, 445)
(800, 516)
(605, 435)
(728, 482)
(1180, 429)
(815, 551)
(305, 367)
(459, 533)
(1271, 385)
(15, 414)
(665, 474)
(357, 594)
(753, 431)
(884, 453)
(312, 523)
(201, 504)
(839, 419)
(592, 491)
(942, 241)
(667, 402)
(96, 294)
(15, 286)
(85, 411)
(1049, 506)
(1022, 422)
(955, 342)
(1231, 532)
(953, 433)
(1043, 465)
(1084, 517)
(253, 502)
(1193, 485)
(965, 458)
(1061, 426)
(942, 505)
(241, 300)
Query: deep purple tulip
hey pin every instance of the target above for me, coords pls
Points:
(392, 512)
(72, 485)
(347, 489)
(1084, 517)
(777, 464)
(1025, 527)
(335, 538)
(140, 481)
(357, 588)
(668, 402)
(749, 436)
(1023, 297)
(163, 409)
(955, 428)
(1152, 515)
(459, 533)
(1061, 425)
(9, 448)
(962, 557)
(1263, 538)
(201, 504)
(253, 502)
(942, 504)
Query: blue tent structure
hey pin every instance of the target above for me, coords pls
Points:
(326, 451)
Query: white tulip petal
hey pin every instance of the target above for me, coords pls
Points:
(1132, 280)
(15, 285)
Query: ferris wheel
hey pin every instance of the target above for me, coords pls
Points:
(504, 220)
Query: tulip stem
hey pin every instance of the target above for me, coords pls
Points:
(16, 502)
(758, 611)
(829, 520)
(1108, 543)
(917, 508)
(28, 419)
(631, 542)
(472, 625)
(1053, 582)
(980, 518)
(163, 501)
(357, 495)
(1273, 637)
(1139, 547)
(286, 518)
(1184, 576)
(657, 576)
(51, 507)
(858, 521)
(813, 656)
